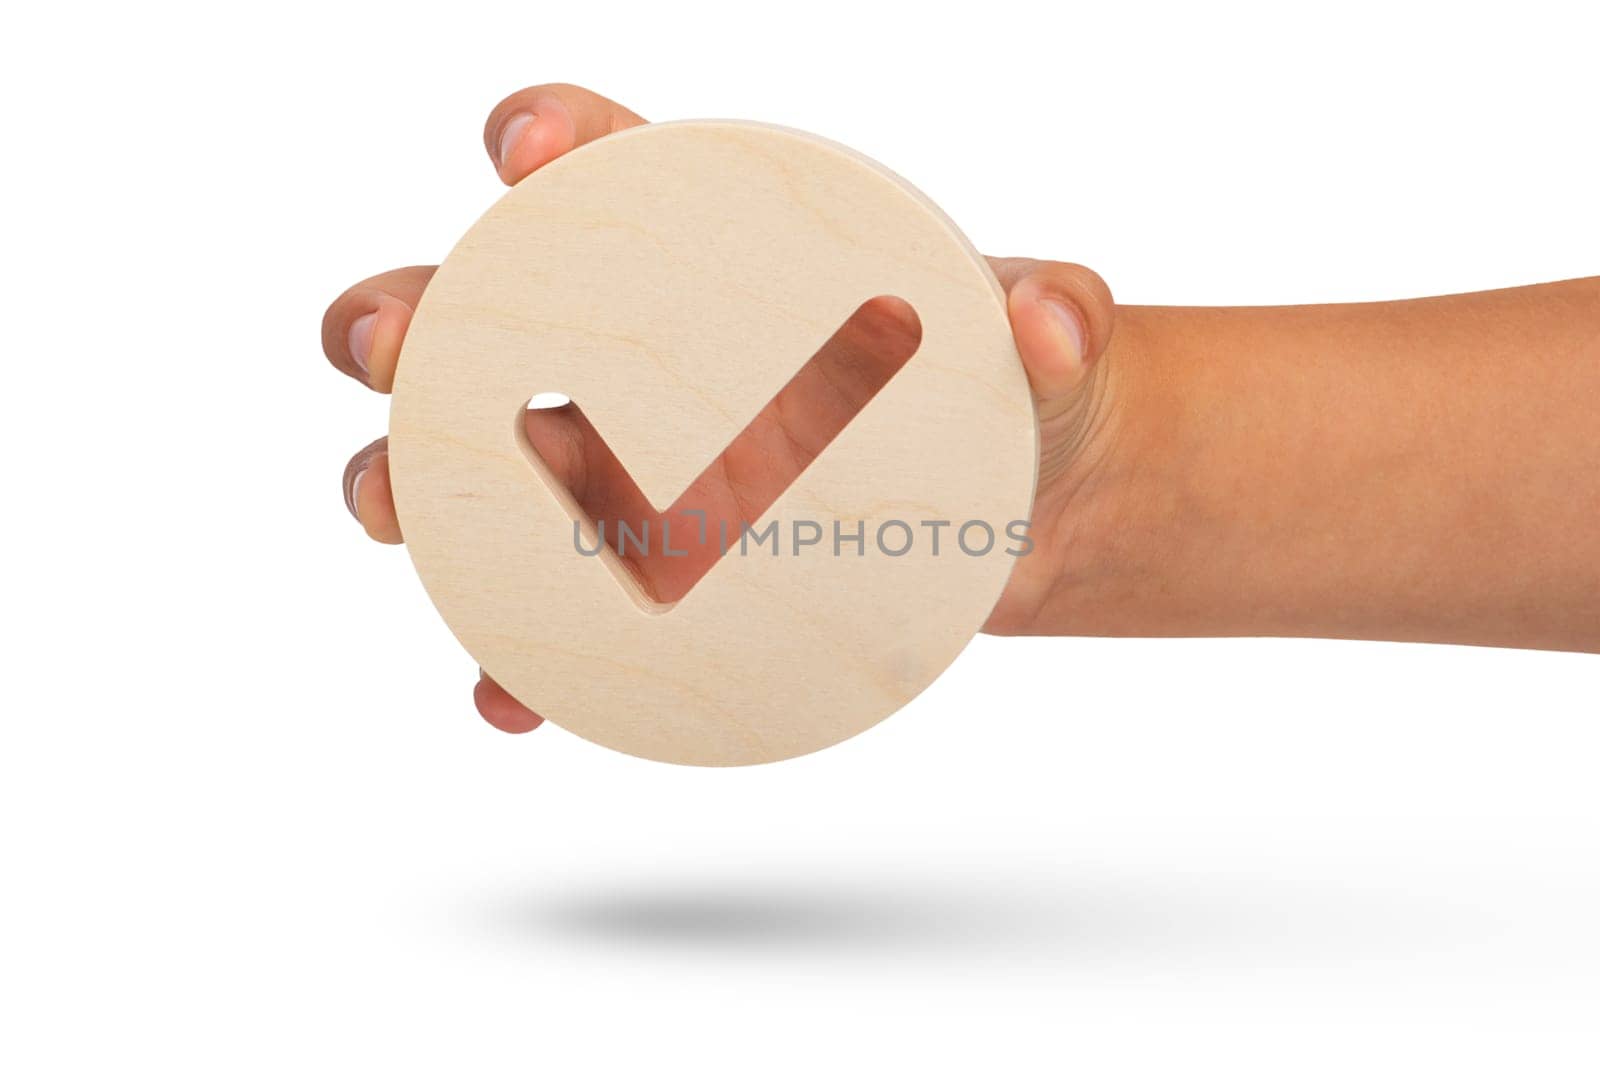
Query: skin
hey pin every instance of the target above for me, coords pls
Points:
(1421, 470)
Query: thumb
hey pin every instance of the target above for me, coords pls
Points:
(1061, 317)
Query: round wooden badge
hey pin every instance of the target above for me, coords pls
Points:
(671, 279)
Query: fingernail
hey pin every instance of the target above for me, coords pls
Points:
(511, 134)
(352, 490)
(361, 340)
(1069, 326)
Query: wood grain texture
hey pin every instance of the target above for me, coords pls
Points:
(671, 279)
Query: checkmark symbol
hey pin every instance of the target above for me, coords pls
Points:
(658, 556)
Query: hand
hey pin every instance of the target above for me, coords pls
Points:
(1061, 316)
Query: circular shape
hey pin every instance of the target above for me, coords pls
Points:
(671, 279)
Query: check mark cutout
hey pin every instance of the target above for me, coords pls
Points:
(632, 539)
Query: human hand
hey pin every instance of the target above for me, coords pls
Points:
(1061, 317)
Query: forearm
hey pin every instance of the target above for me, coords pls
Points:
(1423, 470)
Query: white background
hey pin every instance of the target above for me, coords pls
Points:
(250, 815)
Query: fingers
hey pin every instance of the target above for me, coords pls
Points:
(368, 493)
(361, 335)
(500, 709)
(1061, 317)
(531, 127)
(363, 329)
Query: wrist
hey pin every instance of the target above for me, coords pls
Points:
(1147, 523)
(1094, 500)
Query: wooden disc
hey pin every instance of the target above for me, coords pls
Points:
(671, 279)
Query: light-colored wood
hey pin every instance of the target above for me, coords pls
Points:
(671, 279)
